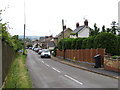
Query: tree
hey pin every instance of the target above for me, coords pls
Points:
(114, 27)
(108, 30)
(103, 28)
(108, 41)
(94, 31)
(12, 41)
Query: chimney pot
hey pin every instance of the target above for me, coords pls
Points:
(86, 22)
(77, 24)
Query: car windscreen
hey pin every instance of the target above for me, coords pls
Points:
(45, 51)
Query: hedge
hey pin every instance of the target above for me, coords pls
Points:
(108, 41)
(118, 47)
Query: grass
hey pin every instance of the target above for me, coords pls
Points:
(18, 76)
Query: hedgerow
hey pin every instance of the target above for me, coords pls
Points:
(108, 41)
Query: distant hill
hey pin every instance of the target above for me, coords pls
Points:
(30, 37)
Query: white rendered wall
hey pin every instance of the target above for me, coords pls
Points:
(84, 33)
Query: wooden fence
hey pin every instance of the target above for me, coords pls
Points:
(8, 54)
(85, 55)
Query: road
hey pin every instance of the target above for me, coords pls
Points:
(47, 73)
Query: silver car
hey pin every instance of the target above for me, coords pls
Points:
(45, 53)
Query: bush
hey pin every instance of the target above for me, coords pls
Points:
(85, 43)
(29, 45)
(107, 41)
(60, 44)
(54, 53)
(79, 43)
(90, 42)
(12, 41)
(74, 43)
(68, 43)
(118, 46)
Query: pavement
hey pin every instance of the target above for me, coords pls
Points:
(49, 73)
(87, 67)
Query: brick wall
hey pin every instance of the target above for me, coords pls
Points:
(111, 64)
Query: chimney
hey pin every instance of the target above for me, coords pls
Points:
(86, 22)
(77, 24)
(50, 36)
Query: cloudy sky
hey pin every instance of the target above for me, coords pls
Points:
(44, 17)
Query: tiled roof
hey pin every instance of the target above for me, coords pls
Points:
(79, 29)
(61, 32)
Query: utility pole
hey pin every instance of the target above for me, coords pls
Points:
(24, 27)
(63, 39)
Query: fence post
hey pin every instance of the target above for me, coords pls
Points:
(81, 54)
(86, 58)
(78, 55)
(97, 50)
(91, 55)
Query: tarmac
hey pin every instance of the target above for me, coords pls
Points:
(87, 67)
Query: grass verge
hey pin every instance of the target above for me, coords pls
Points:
(18, 76)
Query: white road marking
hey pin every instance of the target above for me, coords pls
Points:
(73, 79)
(47, 65)
(42, 61)
(55, 69)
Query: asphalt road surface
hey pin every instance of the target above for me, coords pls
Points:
(47, 73)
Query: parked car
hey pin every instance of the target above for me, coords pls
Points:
(40, 51)
(34, 49)
(52, 52)
(45, 53)
(30, 47)
(20, 51)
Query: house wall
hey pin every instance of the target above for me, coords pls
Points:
(41, 39)
(51, 48)
(84, 33)
(66, 34)
(55, 41)
(73, 36)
